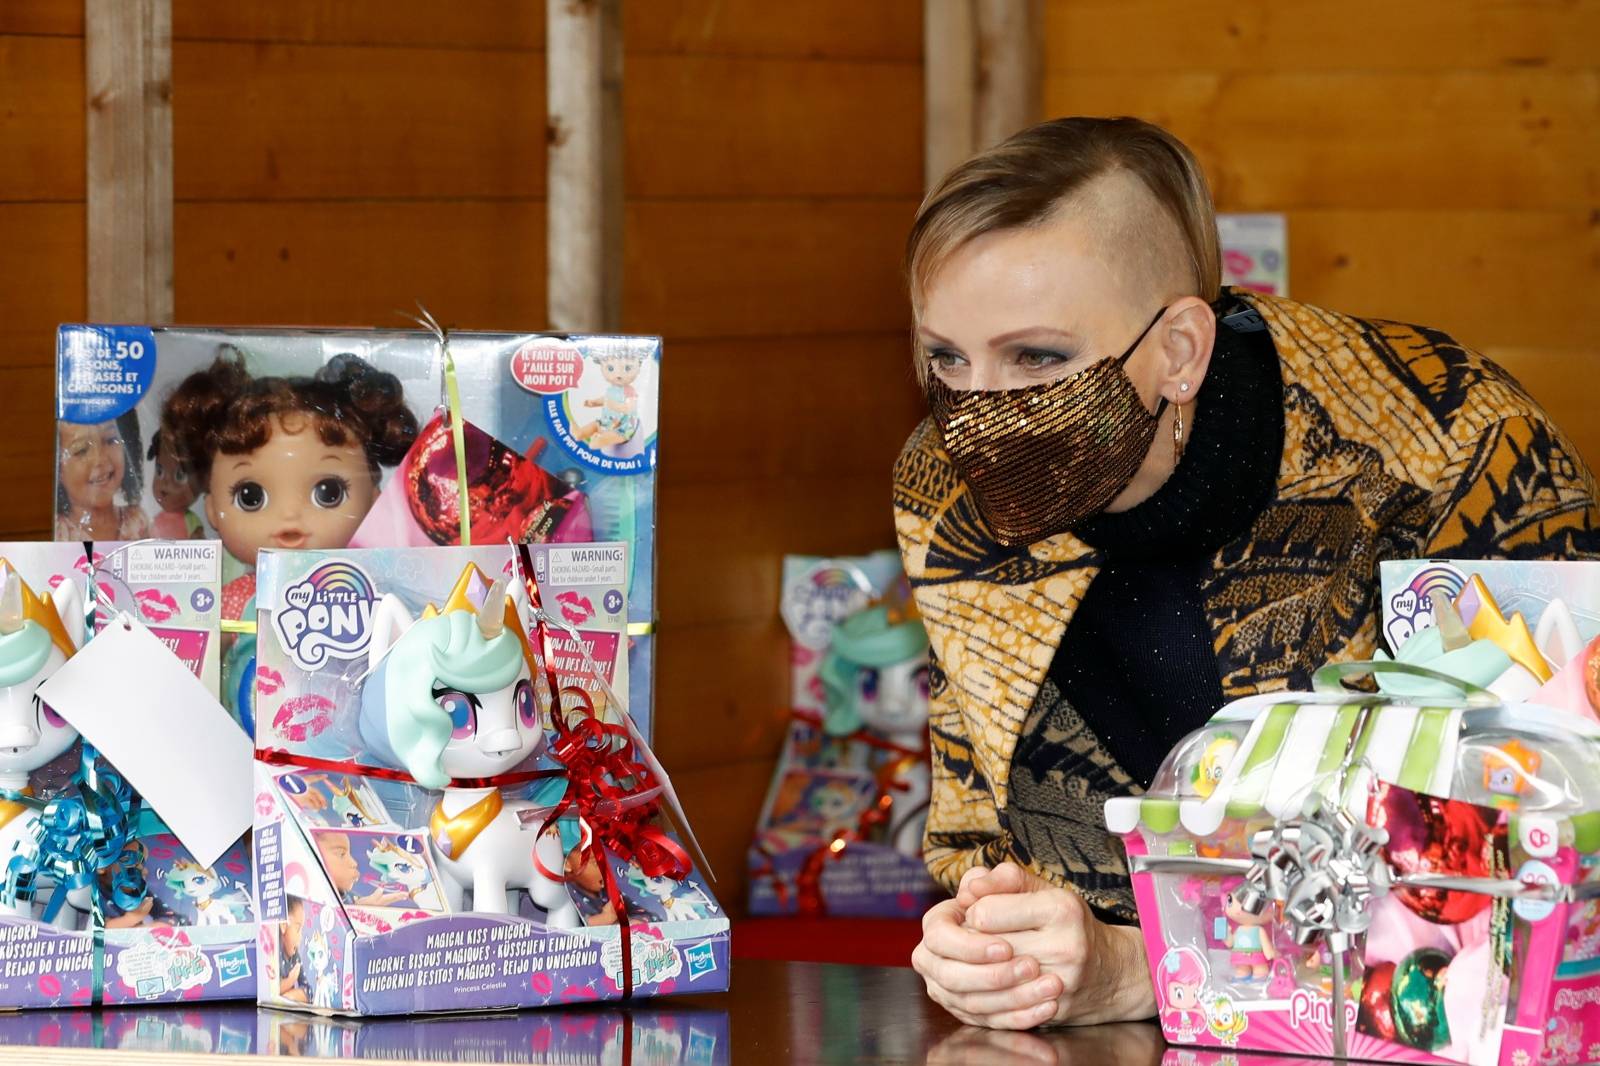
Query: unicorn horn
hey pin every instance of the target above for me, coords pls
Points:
(492, 612)
(1452, 630)
(11, 609)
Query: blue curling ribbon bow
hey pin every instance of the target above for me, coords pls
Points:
(85, 831)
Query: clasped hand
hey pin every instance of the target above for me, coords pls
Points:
(1012, 951)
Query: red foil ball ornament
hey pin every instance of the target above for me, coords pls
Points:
(1429, 835)
(1376, 1014)
(510, 496)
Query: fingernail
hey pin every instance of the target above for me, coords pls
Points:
(997, 952)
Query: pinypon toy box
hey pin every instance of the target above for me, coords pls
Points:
(298, 439)
(841, 829)
(90, 862)
(1366, 877)
(445, 818)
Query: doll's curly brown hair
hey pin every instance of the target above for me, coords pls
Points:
(224, 410)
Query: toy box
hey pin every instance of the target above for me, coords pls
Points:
(1356, 875)
(444, 820)
(215, 1029)
(173, 929)
(321, 439)
(841, 829)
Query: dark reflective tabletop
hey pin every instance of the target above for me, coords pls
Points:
(776, 1013)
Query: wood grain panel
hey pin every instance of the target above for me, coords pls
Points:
(722, 803)
(41, 275)
(757, 268)
(380, 122)
(721, 127)
(721, 544)
(42, 16)
(786, 407)
(1515, 139)
(1562, 380)
(473, 24)
(1490, 278)
(1249, 36)
(729, 682)
(41, 118)
(473, 264)
(835, 29)
(411, 122)
(27, 462)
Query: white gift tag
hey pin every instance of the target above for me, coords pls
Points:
(158, 725)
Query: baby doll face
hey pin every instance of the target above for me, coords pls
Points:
(292, 492)
(173, 486)
(93, 463)
(619, 370)
(337, 860)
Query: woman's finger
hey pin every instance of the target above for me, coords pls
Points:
(962, 977)
(946, 936)
(1046, 989)
(1049, 908)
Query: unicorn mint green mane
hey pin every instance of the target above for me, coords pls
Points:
(875, 658)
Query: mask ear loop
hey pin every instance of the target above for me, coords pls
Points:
(1122, 360)
(450, 403)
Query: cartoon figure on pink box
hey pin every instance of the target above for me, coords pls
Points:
(450, 696)
(284, 462)
(1249, 937)
(875, 676)
(36, 639)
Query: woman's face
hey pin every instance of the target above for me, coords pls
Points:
(292, 492)
(1021, 307)
(93, 464)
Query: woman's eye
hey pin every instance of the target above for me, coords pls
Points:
(1039, 358)
(329, 493)
(249, 497)
(943, 359)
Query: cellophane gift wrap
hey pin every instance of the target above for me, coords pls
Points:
(556, 436)
(1370, 877)
(447, 819)
(99, 901)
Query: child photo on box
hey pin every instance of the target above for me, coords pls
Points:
(100, 481)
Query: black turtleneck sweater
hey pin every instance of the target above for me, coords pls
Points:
(1138, 661)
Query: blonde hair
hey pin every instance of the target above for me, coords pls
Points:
(1023, 181)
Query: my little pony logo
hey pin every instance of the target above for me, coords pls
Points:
(1411, 609)
(654, 959)
(326, 615)
(1309, 1009)
(820, 598)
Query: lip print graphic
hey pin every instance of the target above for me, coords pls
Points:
(575, 608)
(303, 717)
(155, 605)
(268, 681)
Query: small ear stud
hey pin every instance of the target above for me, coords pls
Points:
(1183, 386)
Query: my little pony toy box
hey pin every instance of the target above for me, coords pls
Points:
(446, 817)
(1375, 877)
(841, 829)
(316, 438)
(99, 900)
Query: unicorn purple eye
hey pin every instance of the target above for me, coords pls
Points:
(867, 686)
(527, 713)
(48, 716)
(462, 710)
(922, 682)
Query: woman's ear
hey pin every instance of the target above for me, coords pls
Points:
(1186, 340)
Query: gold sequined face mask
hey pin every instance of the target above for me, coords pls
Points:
(1039, 460)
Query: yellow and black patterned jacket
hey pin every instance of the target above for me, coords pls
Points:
(1397, 443)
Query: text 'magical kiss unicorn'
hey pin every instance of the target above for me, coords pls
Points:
(37, 636)
(450, 696)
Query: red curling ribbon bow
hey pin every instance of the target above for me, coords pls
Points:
(612, 792)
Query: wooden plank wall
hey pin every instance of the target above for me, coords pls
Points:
(1439, 161)
(335, 161)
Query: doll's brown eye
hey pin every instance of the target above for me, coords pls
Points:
(329, 493)
(249, 496)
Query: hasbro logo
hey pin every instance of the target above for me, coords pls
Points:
(233, 965)
(702, 959)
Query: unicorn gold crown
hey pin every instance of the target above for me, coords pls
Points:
(19, 605)
(474, 592)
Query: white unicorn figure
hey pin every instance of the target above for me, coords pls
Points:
(205, 890)
(323, 976)
(450, 696)
(680, 901)
(37, 636)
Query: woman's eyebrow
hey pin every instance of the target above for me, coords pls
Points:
(1034, 332)
(930, 335)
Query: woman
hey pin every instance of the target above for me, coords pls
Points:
(1139, 496)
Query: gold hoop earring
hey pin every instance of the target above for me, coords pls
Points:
(1177, 436)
